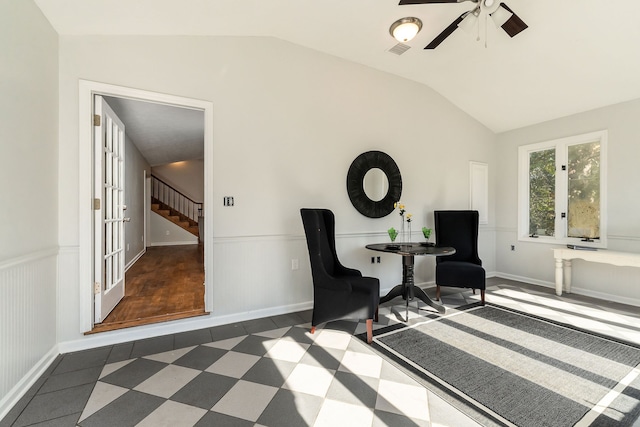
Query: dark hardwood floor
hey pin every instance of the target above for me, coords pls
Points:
(166, 283)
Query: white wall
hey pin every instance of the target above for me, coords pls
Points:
(28, 194)
(163, 232)
(535, 260)
(134, 167)
(28, 134)
(288, 122)
(187, 177)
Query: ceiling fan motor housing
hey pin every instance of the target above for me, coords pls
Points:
(489, 6)
(501, 14)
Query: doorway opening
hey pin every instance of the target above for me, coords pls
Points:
(166, 283)
(168, 141)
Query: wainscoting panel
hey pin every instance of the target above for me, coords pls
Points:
(533, 262)
(27, 320)
(254, 273)
(264, 272)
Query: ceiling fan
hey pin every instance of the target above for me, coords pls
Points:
(501, 14)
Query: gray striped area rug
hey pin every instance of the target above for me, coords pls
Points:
(521, 370)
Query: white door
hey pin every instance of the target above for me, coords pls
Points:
(108, 193)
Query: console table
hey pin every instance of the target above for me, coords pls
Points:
(564, 256)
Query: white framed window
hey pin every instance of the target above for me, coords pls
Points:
(562, 191)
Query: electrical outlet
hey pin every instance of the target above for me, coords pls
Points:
(513, 247)
(378, 260)
(127, 247)
(167, 232)
(295, 264)
(373, 260)
(228, 201)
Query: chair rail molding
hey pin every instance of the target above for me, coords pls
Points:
(623, 237)
(22, 259)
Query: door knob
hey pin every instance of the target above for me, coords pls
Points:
(126, 219)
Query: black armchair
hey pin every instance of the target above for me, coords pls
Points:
(338, 292)
(459, 229)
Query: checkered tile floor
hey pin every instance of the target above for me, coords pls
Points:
(273, 372)
(281, 377)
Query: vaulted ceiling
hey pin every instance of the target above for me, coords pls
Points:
(576, 55)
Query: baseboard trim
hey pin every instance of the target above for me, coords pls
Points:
(173, 327)
(604, 296)
(30, 378)
(432, 283)
(525, 280)
(135, 259)
(195, 242)
(574, 290)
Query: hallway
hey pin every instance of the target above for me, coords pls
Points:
(166, 283)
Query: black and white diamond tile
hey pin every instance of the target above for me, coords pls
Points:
(278, 377)
(273, 372)
(270, 375)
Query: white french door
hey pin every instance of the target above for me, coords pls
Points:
(109, 207)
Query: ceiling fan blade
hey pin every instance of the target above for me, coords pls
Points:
(514, 25)
(445, 33)
(429, 1)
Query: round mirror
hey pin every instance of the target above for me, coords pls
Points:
(376, 184)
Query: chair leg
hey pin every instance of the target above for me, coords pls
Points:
(375, 316)
(437, 292)
(474, 290)
(482, 296)
(369, 331)
(313, 329)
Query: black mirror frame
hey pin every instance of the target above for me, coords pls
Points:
(355, 184)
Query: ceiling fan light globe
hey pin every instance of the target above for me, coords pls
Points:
(489, 6)
(405, 29)
(501, 16)
(405, 32)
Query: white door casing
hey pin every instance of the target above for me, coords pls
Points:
(109, 255)
(86, 91)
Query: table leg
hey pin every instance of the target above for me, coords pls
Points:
(567, 275)
(397, 291)
(559, 276)
(408, 290)
(422, 296)
(407, 280)
(407, 274)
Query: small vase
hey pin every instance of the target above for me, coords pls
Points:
(402, 236)
(408, 232)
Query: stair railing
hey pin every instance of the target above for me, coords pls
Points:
(173, 198)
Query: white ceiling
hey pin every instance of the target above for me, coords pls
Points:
(576, 55)
(162, 133)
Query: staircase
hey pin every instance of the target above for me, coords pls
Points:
(171, 204)
(174, 216)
